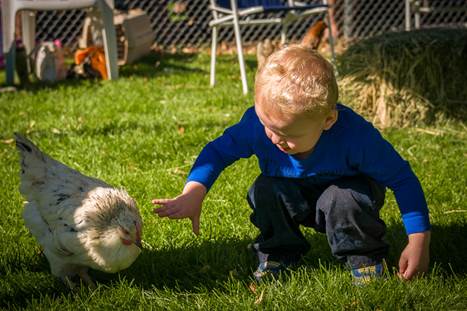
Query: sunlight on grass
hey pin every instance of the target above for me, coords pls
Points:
(143, 132)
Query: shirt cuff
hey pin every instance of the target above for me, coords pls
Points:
(416, 222)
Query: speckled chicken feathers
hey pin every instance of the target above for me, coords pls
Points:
(56, 191)
(65, 214)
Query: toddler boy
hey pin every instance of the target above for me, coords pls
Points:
(322, 166)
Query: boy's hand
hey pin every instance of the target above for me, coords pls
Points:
(416, 255)
(186, 205)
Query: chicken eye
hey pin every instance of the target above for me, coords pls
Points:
(125, 231)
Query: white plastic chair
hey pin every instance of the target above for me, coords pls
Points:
(417, 7)
(238, 13)
(27, 8)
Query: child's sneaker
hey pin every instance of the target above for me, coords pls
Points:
(268, 269)
(364, 275)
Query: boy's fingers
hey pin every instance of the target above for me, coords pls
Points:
(160, 209)
(403, 265)
(402, 268)
(173, 212)
(165, 211)
(409, 273)
(177, 215)
(406, 270)
(195, 224)
(161, 201)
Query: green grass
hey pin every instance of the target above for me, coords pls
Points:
(143, 132)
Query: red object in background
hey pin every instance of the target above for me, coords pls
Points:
(97, 59)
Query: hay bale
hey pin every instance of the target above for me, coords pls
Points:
(407, 78)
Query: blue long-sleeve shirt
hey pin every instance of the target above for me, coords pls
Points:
(352, 146)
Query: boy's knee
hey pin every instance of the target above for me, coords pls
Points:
(268, 191)
(260, 189)
(265, 182)
(264, 186)
(337, 200)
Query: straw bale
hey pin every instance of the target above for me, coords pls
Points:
(407, 78)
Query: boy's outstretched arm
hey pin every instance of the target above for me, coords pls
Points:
(186, 205)
(415, 257)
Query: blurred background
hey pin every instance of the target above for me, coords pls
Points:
(184, 23)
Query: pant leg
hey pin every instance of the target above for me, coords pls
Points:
(278, 205)
(348, 210)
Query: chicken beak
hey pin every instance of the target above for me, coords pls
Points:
(138, 243)
(138, 236)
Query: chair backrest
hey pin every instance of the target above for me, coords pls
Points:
(243, 4)
(52, 4)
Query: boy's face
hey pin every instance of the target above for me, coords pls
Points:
(294, 134)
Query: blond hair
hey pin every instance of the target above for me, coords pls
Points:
(297, 79)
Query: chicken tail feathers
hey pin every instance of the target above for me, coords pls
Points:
(27, 148)
(32, 160)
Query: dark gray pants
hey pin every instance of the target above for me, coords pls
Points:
(347, 210)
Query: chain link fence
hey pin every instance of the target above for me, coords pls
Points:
(184, 23)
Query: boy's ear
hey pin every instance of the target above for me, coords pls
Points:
(330, 120)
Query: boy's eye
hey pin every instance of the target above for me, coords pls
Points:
(277, 134)
(288, 136)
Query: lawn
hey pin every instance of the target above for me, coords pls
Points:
(143, 132)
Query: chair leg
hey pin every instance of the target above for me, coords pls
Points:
(284, 34)
(9, 45)
(331, 39)
(213, 56)
(241, 61)
(417, 17)
(408, 14)
(110, 39)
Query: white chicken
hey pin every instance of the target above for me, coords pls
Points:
(81, 222)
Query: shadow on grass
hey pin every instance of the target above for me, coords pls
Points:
(161, 64)
(195, 267)
(213, 262)
(210, 264)
(204, 264)
(115, 127)
(446, 249)
(207, 265)
(36, 86)
(151, 65)
(157, 64)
